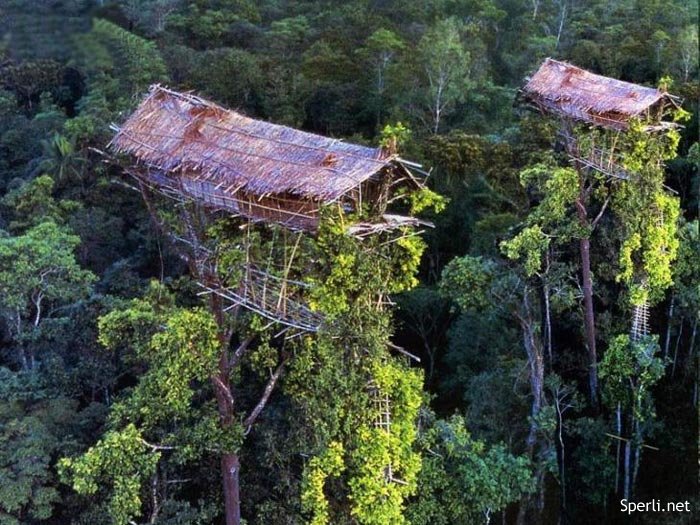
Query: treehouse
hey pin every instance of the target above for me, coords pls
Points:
(190, 148)
(203, 156)
(606, 106)
(579, 96)
(574, 94)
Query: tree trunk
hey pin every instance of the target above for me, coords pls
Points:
(23, 357)
(547, 332)
(230, 467)
(586, 275)
(618, 428)
(668, 326)
(547, 323)
(536, 365)
(689, 366)
(589, 318)
(562, 471)
(534, 350)
(626, 490)
(637, 460)
(230, 462)
(675, 349)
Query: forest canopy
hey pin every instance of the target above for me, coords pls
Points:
(500, 325)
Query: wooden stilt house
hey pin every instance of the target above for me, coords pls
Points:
(567, 91)
(193, 148)
(577, 96)
(220, 161)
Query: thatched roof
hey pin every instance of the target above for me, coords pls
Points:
(181, 133)
(572, 92)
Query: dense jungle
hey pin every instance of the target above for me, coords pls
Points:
(525, 351)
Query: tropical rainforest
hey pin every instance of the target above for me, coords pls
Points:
(519, 390)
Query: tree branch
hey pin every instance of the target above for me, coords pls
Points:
(248, 423)
(157, 447)
(600, 213)
(225, 390)
(238, 354)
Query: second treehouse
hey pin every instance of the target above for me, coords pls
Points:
(614, 134)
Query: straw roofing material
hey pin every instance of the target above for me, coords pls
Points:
(569, 91)
(177, 132)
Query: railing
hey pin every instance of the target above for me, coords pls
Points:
(272, 297)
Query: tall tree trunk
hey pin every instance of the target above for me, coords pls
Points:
(230, 467)
(23, 357)
(586, 275)
(618, 428)
(675, 349)
(668, 325)
(637, 460)
(589, 316)
(548, 323)
(230, 462)
(562, 470)
(689, 366)
(626, 490)
(534, 350)
(546, 291)
(535, 359)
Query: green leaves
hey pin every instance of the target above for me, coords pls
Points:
(313, 500)
(628, 370)
(333, 377)
(446, 66)
(38, 272)
(110, 49)
(467, 280)
(559, 188)
(355, 272)
(33, 203)
(530, 245)
(648, 216)
(425, 199)
(177, 350)
(376, 500)
(123, 458)
(180, 347)
(551, 220)
(27, 445)
(394, 136)
(462, 480)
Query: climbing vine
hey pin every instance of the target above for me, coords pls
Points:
(647, 213)
(361, 472)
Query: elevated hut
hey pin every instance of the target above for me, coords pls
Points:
(567, 91)
(189, 147)
(577, 96)
(208, 158)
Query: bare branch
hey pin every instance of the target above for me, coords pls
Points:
(248, 423)
(225, 390)
(240, 351)
(157, 447)
(600, 213)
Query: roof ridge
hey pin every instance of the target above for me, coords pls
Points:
(205, 102)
